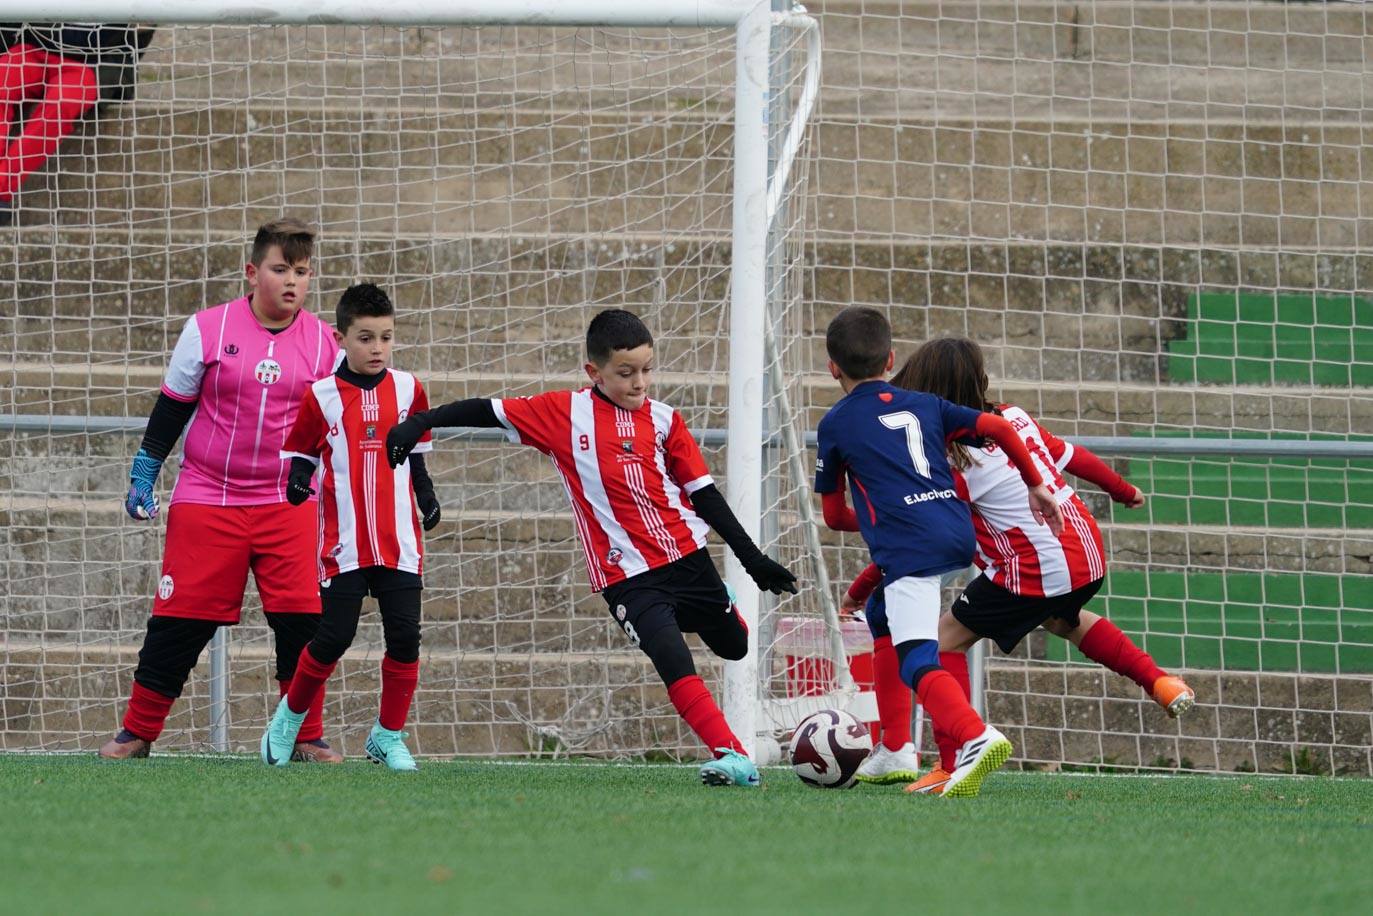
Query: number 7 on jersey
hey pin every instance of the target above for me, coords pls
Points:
(915, 441)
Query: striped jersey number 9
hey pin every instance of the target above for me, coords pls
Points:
(915, 442)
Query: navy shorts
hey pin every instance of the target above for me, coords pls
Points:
(994, 613)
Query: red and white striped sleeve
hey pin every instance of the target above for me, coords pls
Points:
(540, 421)
(307, 436)
(685, 462)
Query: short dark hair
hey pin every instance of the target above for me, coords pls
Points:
(858, 339)
(614, 329)
(362, 300)
(295, 238)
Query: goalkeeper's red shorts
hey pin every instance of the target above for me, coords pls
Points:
(211, 548)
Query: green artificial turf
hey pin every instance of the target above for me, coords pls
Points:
(221, 835)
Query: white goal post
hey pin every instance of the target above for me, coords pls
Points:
(774, 90)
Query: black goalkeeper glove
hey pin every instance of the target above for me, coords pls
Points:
(403, 437)
(769, 575)
(298, 487)
(430, 514)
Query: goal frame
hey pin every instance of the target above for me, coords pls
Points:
(761, 172)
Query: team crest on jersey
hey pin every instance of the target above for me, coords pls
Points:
(621, 612)
(660, 440)
(268, 372)
(627, 445)
(371, 431)
(165, 587)
(230, 349)
(338, 549)
(614, 556)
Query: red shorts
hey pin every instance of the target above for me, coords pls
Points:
(211, 548)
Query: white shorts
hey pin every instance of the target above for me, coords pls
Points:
(913, 608)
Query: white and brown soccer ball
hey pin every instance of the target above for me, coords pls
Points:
(827, 748)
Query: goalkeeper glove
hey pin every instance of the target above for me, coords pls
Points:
(298, 487)
(429, 509)
(141, 502)
(403, 437)
(769, 575)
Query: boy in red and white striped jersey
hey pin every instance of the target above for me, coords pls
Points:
(369, 530)
(1030, 577)
(642, 498)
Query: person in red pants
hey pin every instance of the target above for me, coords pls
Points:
(56, 68)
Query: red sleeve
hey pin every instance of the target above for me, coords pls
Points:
(838, 515)
(1004, 435)
(306, 438)
(1092, 469)
(867, 580)
(685, 463)
(540, 421)
(419, 402)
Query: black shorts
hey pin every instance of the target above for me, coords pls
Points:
(691, 587)
(369, 580)
(994, 613)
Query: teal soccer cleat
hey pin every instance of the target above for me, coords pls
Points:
(388, 747)
(731, 769)
(279, 740)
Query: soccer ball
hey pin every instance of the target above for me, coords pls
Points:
(827, 748)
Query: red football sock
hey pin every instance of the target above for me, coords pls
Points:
(1107, 645)
(147, 712)
(312, 729)
(956, 663)
(894, 700)
(398, 681)
(308, 684)
(697, 707)
(949, 710)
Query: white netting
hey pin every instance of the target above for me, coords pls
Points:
(504, 184)
(1151, 215)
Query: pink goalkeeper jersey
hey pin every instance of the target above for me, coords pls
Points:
(249, 383)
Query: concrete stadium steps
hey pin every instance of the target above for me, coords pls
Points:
(1145, 59)
(1086, 408)
(1262, 181)
(71, 699)
(1150, 59)
(1062, 311)
(468, 703)
(82, 566)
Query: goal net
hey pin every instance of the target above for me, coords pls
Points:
(504, 184)
(1152, 216)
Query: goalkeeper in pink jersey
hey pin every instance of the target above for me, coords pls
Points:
(1030, 577)
(234, 384)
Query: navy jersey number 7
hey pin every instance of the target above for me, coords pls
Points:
(891, 443)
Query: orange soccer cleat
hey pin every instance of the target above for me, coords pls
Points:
(1173, 694)
(932, 783)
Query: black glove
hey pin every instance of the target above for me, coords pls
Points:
(298, 487)
(769, 575)
(429, 509)
(403, 437)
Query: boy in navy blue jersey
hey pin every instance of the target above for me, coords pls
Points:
(891, 445)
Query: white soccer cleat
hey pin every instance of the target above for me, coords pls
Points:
(976, 759)
(884, 767)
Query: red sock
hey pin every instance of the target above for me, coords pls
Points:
(1107, 645)
(398, 681)
(697, 707)
(956, 663)
(308, 684)
(949, 710)
(147, 712)
(893, 695)
(312, 729)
